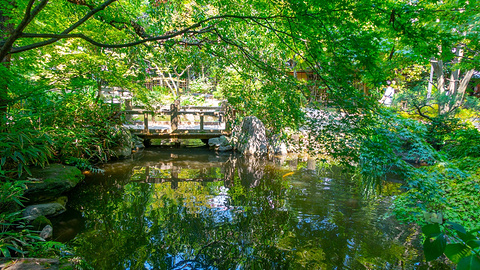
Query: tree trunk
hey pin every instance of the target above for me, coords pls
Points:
(463, 87)
(438, 70)
(5, 30)
(452, 97)
(164, 79)
(175, 85)
(99, 90)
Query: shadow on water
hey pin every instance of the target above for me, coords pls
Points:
(194, 209)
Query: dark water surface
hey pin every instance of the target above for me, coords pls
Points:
(194, 209)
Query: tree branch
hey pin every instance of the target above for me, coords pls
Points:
(27, 18)
(137, 28)
(66, 31)
(64, 34)
(419, 110)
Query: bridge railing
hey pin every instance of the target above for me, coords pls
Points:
(223, 114)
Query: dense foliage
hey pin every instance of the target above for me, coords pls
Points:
(57, 55)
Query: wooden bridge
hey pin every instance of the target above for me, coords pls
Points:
(179, 122)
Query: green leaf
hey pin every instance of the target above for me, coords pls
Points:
(473, 243)
(431, 230)
(16, 250)
(456, 252)
(466, 236)
(5, 252)
(35, 237)
(457, 227)
(434, 249)
(469, 263)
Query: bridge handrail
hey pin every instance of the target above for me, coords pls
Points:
(175, 111)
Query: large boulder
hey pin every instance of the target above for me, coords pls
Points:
(252, 139)
(48, 183)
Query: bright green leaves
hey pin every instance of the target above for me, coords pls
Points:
(451, 239)
(471, 262)
(456, 252)
(435, 242)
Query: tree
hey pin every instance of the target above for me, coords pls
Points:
(341, 42)
(441, 34)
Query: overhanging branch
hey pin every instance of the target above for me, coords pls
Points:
(66, 31)
(65, 34)
(27, 18)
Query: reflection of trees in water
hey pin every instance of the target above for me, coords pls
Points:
(268, 222)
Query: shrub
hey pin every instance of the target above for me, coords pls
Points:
(22, 147)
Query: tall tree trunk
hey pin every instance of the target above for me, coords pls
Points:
(452, 97)
(5, 30)
(430, 81)
(463, 87)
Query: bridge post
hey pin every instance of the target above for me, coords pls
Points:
(229, 115)
(174, 119)
(201, 121)
(128, 107)
(145, 122)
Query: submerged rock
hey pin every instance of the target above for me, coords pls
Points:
(48, 183)
(252, 139)
(47, 232)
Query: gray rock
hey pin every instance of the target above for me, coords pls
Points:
(280, 149)
(278, 146)
(48, 183)
(252, 139)
(33, 264)
(122, 151)
(47, 232)
(221, 144)
(137, 143)
(47, 209)
(225, 148)
(214, 142)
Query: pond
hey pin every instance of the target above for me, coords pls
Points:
(191, 208)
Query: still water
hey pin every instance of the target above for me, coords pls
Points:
(191, 208)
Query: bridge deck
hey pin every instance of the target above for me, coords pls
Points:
(183, 132)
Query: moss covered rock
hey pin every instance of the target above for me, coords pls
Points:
(48, 183)
(40, 222)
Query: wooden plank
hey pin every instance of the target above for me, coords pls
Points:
(200, 108)
(197, 135)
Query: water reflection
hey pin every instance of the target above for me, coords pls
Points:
(181, 209)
